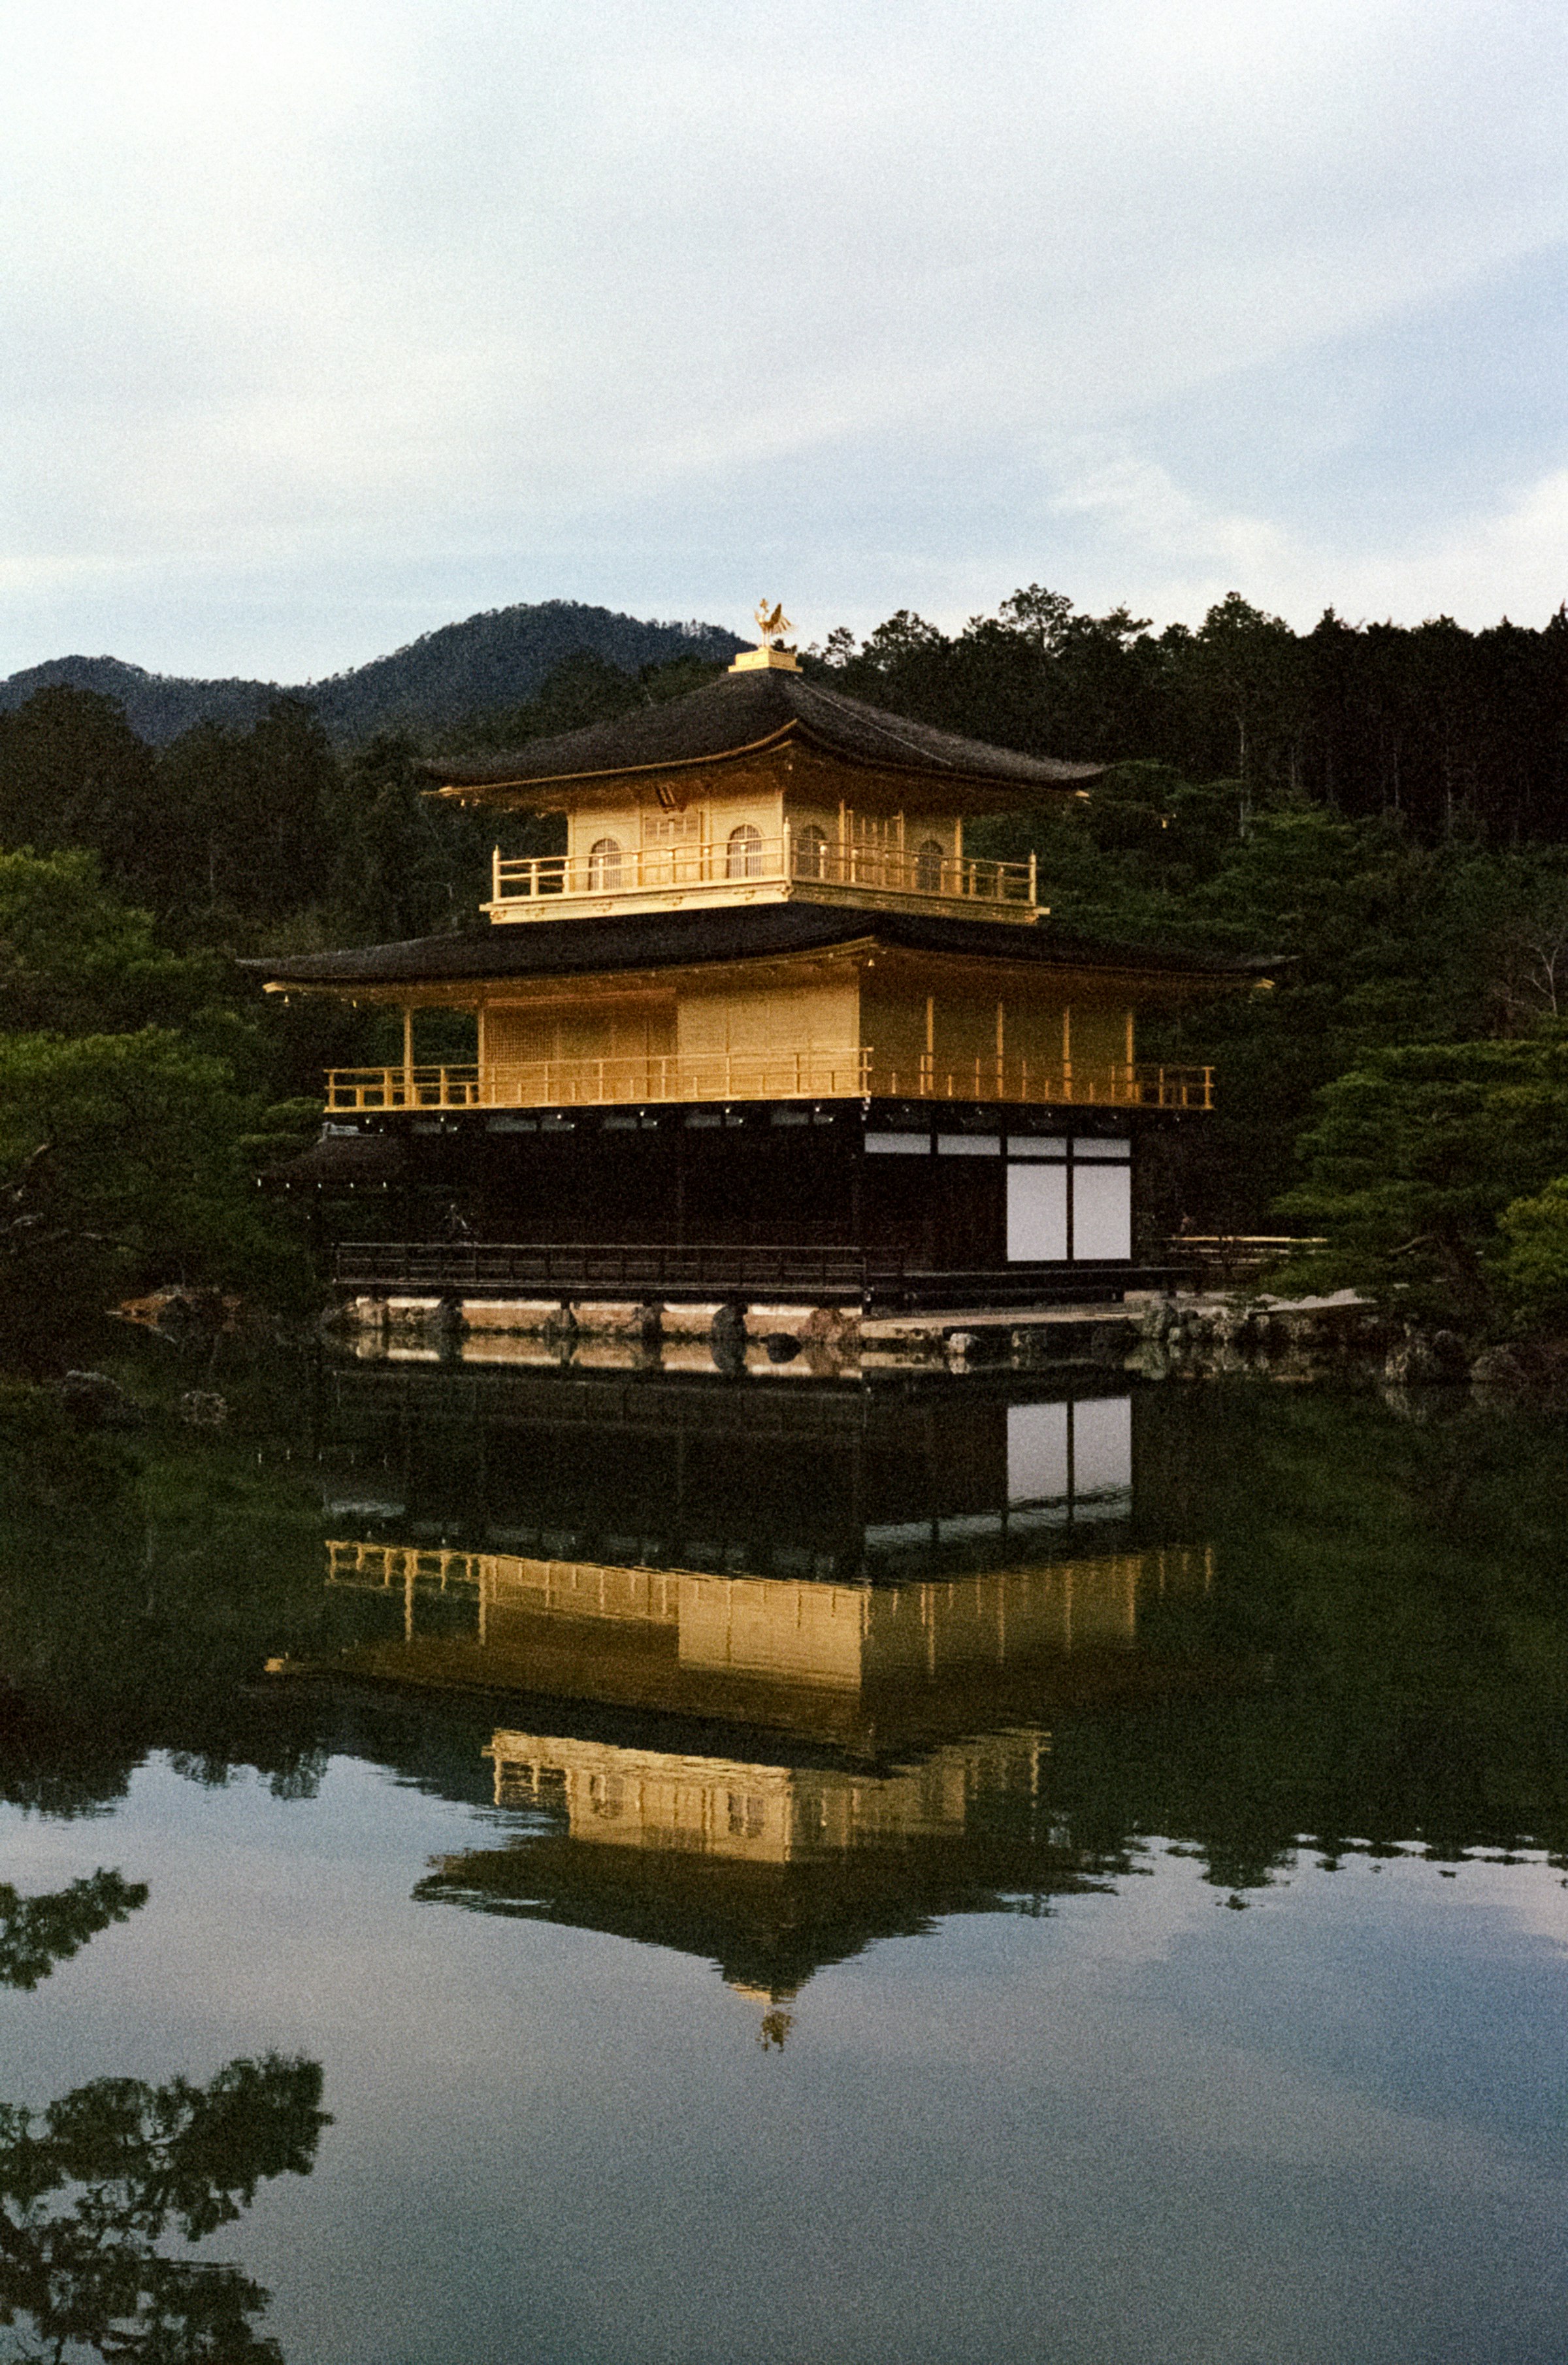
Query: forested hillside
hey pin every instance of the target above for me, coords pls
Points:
(490, 660)
(1448, 729)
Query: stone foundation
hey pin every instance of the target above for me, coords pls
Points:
(1341, 1338)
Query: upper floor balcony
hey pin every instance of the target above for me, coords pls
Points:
(747, 865)
(852, 1073)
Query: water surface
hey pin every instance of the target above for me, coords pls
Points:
(789, 1869)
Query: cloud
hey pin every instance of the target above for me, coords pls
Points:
(1513, 559)
(333, 307)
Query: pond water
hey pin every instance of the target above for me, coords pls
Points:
(645, 1866)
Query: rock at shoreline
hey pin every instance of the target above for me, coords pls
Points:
(1267, 1337)
(1423, 1358)
(1522, 1367)
(177, 1310)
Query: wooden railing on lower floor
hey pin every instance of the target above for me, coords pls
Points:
(470, 1267)
(766, 1076)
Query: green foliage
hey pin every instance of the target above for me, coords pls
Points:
(240, 837)
(75, 961)
(125, 1165)
(128, 1148)
(1381, 941)
(582, 690)
(261, 836)
(73, 773)
(1419, 1151)
(402, 865)
(1444, 728)
(38, 1932)
(91, 2185)
(284, 1130)
(1532, 1261)
(141, 1135)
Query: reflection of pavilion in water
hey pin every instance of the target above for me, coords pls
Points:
(873, 1670)
(772, 1770)
(748, 1813)
(844, 1480)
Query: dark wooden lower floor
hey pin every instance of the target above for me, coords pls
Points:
(961, 1191)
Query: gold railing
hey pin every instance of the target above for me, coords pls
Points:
(520, 885)
(765, 1076)
(388, 1568)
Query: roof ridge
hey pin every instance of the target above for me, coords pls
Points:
(877, 718)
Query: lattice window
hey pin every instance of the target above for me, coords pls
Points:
(811, 851)
(743, 853)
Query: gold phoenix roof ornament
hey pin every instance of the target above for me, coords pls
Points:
(770, 652)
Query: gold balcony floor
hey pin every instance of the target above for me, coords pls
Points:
(800, 1075)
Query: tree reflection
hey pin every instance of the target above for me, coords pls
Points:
(37, 1933)
(91, 2185)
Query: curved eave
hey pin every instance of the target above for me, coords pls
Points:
(445, 968)
(480, 792)
(980, 791)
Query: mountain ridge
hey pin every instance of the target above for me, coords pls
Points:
(498, 657)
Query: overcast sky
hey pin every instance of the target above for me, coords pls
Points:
(327, 323)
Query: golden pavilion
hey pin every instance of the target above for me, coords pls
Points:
(766, 1027)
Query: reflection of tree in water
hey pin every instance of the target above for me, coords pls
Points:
(37, 1933)
(91, 2185)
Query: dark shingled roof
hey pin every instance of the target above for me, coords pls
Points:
(584, 948)
(747, 711)
(340, 1157)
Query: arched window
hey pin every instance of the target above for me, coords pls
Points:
(744, 859)
(811, 852)
(604, 862)
(928, 867)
